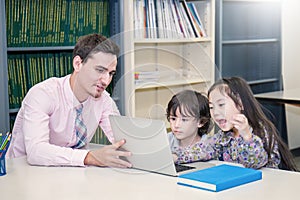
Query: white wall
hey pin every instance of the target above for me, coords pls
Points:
(291, 64)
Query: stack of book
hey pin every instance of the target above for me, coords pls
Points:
(141, 77)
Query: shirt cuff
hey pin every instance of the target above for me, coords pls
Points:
(79, 156)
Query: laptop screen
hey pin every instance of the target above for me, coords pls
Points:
(147, 140)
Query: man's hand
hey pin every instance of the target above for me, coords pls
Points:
(108, 156)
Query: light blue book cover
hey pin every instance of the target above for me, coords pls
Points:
(219, 177)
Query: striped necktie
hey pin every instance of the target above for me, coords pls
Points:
(80, 128)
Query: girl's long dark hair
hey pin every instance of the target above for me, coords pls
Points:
(240, 92)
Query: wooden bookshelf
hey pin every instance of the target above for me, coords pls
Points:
(182, 63)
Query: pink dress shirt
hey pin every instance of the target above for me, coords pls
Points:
(44, 127)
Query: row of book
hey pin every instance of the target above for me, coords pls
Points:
(26, 70)
(167, 19)
(54, 23)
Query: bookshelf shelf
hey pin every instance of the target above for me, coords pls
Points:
(252, 41)
(171, 83)
(14, 110)
(263, 81)
(160, 40)
(31, 49)
(184, 62)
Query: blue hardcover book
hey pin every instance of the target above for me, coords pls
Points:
(219, 177)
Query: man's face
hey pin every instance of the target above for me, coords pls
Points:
(96, 74)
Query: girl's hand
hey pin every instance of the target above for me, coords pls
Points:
(175, 157)
(240, 122)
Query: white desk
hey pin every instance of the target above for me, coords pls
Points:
(24, 182)
(291, 96)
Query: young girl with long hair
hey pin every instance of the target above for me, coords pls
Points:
(247, 136)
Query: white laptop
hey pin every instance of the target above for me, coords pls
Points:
(147, 140)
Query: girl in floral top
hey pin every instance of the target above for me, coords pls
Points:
(246, 135)
(188, 114)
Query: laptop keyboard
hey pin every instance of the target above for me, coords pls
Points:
(180, 168)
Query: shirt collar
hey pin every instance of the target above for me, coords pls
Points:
(69, 95)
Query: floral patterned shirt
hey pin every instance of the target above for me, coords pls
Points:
(225, 147)
(251, 153)
(200, 151)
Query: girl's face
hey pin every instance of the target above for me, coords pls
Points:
(222, 109)
(185, 128)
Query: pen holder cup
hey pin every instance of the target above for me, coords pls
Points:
(2, 162)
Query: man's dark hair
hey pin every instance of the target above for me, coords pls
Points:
(91, 44)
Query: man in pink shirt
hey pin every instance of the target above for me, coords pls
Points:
(44, 129)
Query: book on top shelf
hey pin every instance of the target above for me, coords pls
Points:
(194, 18)
(166, 19)
(186, 20)
(219, 177)
(197, 19)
